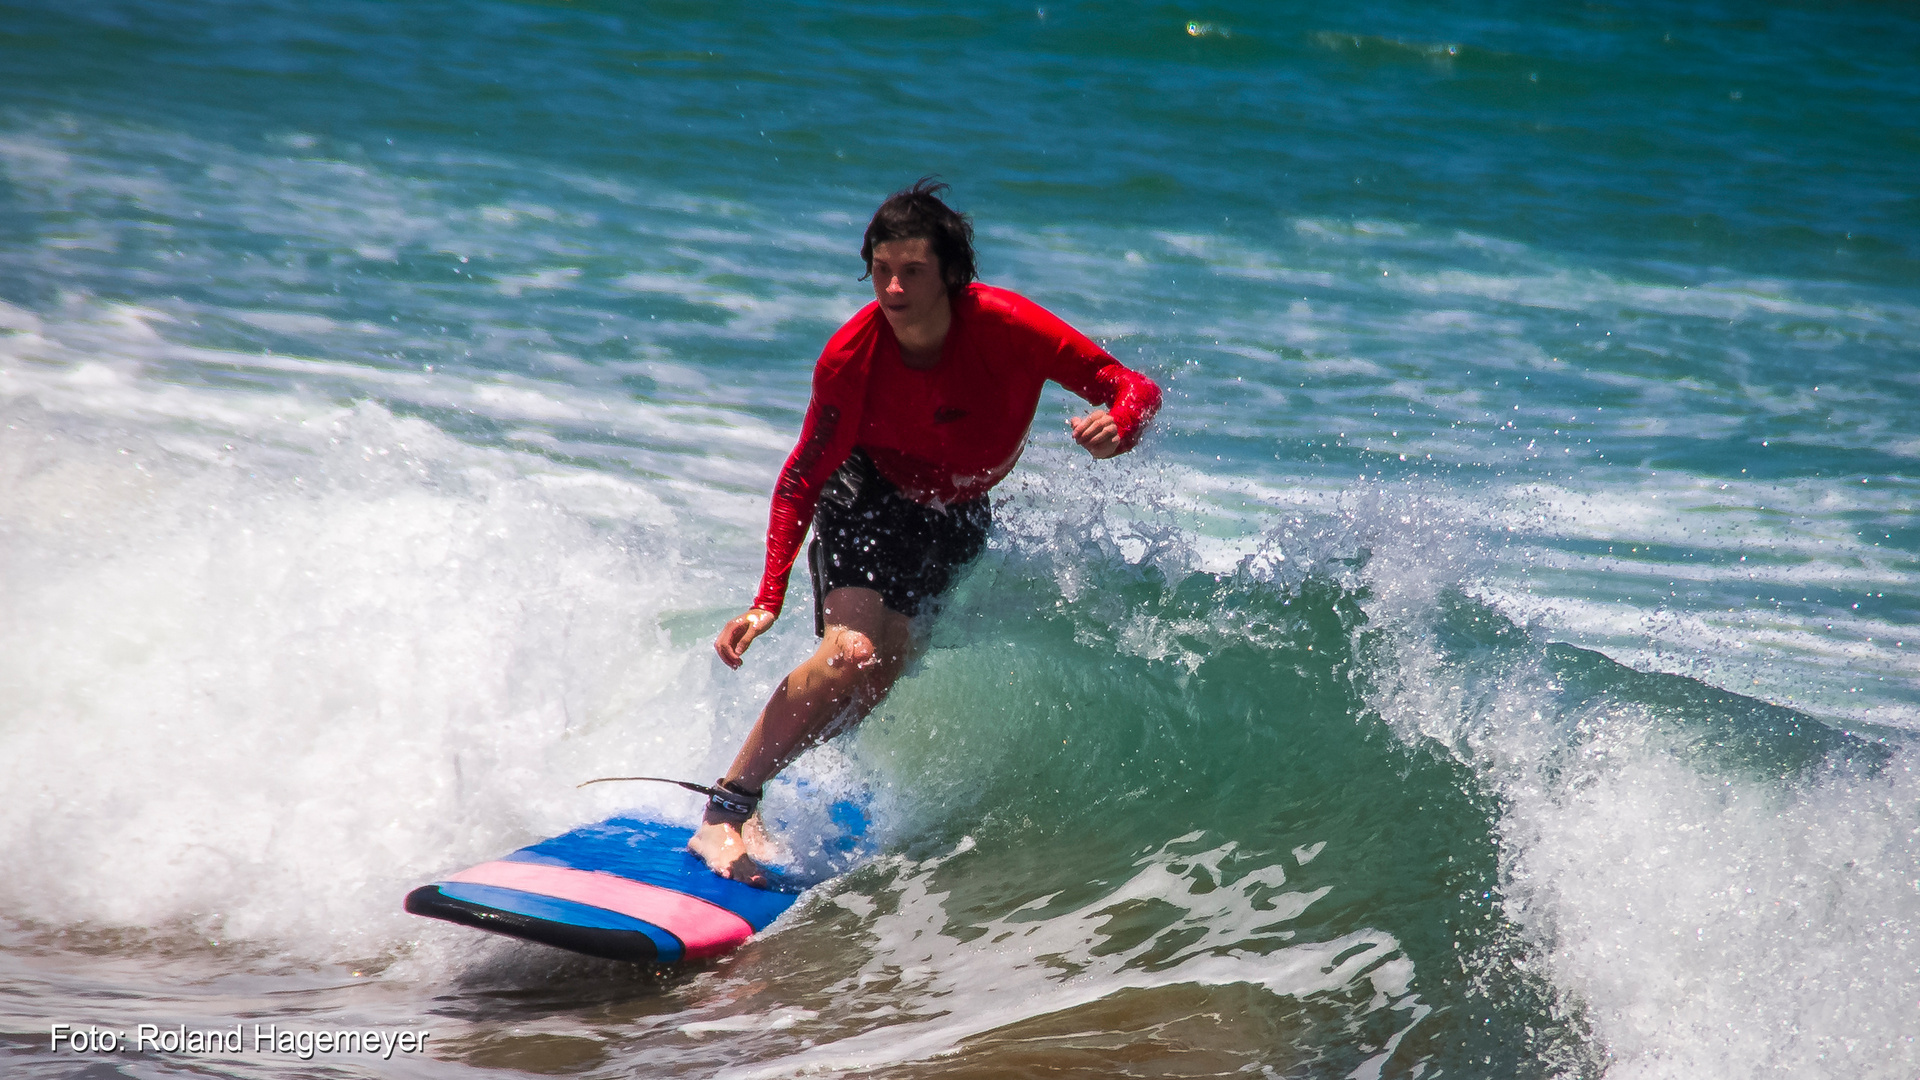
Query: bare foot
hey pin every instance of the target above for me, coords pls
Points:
(724, 850)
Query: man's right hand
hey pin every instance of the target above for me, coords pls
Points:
(739, 633)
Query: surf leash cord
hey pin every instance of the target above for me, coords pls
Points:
(727, 802)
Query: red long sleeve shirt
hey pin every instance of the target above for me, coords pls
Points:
(951, 432)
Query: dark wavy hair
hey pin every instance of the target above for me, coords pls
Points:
(917, 213)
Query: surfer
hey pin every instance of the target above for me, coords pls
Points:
(921, 404)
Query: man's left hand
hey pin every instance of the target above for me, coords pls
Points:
(1097, 432)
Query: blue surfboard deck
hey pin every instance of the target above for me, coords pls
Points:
(648, 853)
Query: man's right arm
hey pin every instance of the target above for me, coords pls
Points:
(797, 494)
(827, 436)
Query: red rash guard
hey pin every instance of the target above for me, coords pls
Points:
(947, 434)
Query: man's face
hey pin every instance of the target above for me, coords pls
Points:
(907, 280)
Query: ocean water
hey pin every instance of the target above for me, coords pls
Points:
(1499, 661)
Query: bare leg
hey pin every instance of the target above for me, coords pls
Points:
(863, 652)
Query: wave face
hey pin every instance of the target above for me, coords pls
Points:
(1498, 661)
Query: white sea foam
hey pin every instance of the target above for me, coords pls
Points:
(241, 705)
(1708, 922)
(1721, 927)
(258, 689)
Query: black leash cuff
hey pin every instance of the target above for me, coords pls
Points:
(730, 804)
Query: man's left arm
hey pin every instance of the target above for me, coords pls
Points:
(1075, 362)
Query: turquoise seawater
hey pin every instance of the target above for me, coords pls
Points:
(1499, 661)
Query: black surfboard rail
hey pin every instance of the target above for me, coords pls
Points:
(626, 945)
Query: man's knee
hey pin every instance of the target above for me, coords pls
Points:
(851, 664)
(841, 664)
(851, 650)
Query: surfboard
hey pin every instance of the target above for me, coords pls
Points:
(622, 889)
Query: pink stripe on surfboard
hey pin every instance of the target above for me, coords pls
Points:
(704, 929)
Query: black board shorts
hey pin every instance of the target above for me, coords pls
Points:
(868, 535)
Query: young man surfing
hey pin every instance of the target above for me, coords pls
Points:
(921, 404)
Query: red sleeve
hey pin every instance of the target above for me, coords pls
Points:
(1075, 362)
(826, 438)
